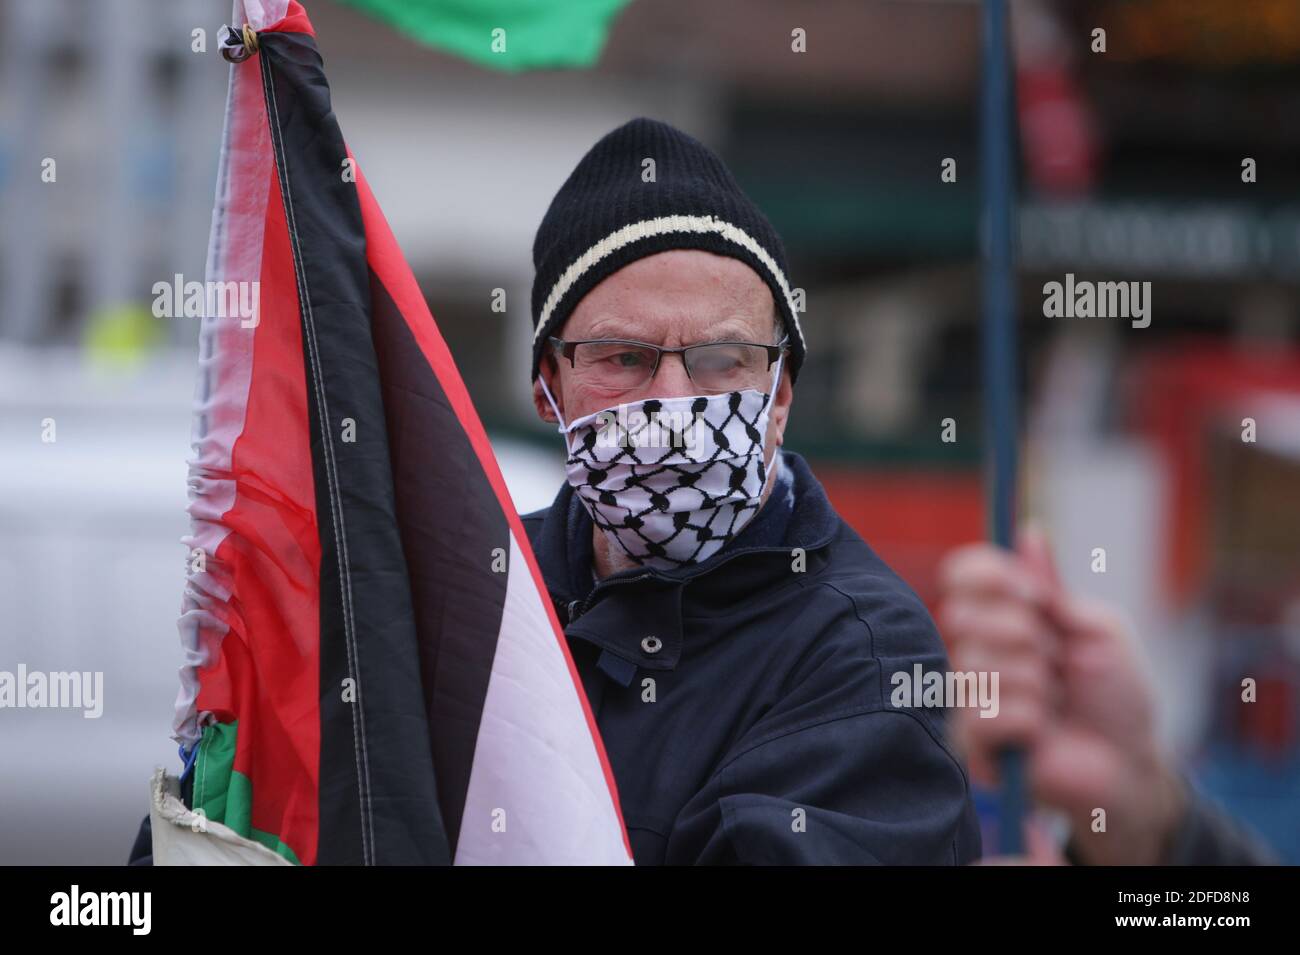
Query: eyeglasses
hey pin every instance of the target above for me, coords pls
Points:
(612, 364)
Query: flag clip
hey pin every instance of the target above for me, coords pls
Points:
(238, 45)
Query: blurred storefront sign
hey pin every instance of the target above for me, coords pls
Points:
(1188, 239)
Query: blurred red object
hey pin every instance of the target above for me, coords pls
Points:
(1058, 132)
(910, 518)
(1176, 397)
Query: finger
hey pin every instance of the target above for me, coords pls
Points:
(1009, 673)
(994, 625)
(1085, 622)
(985, 570)
(986, 635)
(1042, 845)
(1036, 552)
(1027, 679)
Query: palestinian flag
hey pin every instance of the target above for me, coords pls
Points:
(374, 672)
(509, 35)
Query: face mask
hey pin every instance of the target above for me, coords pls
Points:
(670, 480)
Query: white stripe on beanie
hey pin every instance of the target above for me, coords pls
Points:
(662, 225)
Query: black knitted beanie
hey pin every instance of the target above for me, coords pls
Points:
(605, 216)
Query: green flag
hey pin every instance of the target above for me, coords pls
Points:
(505, 34)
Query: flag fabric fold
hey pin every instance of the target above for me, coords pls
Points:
(374, 673)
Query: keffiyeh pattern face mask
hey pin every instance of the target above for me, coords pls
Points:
(671, 480)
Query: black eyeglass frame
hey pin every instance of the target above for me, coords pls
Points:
(567, 348)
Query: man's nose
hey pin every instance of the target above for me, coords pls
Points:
(670, 380)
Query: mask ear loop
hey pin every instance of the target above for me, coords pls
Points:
(776, 378)
(776, 454)
(562, 427)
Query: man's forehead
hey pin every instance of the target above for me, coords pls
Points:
(680, 295)
(667, 327)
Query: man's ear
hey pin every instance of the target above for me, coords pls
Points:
(548, 369)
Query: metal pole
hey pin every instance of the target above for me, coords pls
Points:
(999, 350)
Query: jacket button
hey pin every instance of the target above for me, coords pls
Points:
(652, 644)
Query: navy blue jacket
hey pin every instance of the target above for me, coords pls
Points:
(744, 702)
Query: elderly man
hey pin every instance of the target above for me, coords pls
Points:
(735, 637)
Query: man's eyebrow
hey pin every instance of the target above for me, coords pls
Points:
(729, 330)
(617, 328)
(732, 335)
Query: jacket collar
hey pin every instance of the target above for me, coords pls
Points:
(796, 514)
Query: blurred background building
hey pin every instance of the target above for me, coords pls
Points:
(1131, 170)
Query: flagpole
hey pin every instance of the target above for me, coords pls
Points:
(998, 341)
